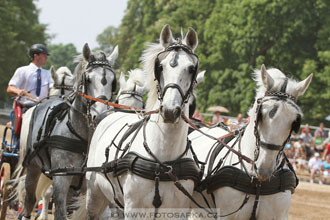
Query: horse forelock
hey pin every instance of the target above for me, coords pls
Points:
(137, 77)
(64, 71)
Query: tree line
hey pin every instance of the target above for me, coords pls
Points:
(235, 38)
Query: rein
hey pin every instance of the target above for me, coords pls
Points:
(219, 139)
(115, 105)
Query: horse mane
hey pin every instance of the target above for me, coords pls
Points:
(137, 77)
(278, 77)
(148, 58)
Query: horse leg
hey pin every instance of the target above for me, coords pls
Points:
(45, 203)
(61, 187)
(32, 176)
(96, 202)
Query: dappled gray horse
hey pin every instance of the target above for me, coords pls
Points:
(58, 134)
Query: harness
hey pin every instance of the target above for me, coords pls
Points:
(281, 180)
(63, 87)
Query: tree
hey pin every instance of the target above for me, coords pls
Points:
(20, 29)
(108, 39)
(235, 38)
(62, 55)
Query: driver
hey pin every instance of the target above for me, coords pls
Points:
(28, 82)
(32, 80)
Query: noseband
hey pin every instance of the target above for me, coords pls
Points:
(138, 96)
(158, 69)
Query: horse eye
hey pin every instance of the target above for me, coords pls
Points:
(88, 79)
(192, 69)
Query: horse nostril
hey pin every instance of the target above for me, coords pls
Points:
(177, 111)
(161, 108)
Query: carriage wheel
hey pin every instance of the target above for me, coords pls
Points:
(4, 177)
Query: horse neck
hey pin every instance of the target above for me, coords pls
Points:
(78, 120)
(166, 140)
(248, 144)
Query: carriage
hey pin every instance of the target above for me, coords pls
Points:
(9, 155)
(170, 185)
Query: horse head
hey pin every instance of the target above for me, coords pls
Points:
(174, 67)
(63, 81)
(275, 115)
(132, 91)
(96, 78)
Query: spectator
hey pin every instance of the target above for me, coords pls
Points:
(326, 146)
(318, 140)
(216, 118)
(306, 135)
(306, 129)
(315, 165)
(301, 159)
(326, 166)
(198, 115)
(321, 129)
(238, 123)
(299, 143)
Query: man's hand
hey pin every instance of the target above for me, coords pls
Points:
(23, 92)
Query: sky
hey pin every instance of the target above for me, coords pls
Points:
(79, 21)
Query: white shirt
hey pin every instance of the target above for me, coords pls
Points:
(315, 163)
(25, 77)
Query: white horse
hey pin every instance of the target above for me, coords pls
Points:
(132, 91)
(156, 140)
(273, 116)
(63, 81)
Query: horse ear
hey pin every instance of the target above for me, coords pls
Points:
(191, 39)
(166, 37)
(86, 52)
(303, 85)
(52, 72)
(113, 56)
(122, 80)
(200, 78)
(267, 80)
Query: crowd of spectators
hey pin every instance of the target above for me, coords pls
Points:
(309, 153)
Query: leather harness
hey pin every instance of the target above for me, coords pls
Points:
(283, 179)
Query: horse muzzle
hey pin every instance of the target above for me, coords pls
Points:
(170, 115)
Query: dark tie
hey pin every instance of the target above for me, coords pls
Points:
(38, 82)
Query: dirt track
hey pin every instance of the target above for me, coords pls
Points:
(309, 202)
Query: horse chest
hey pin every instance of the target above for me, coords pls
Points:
(140, 192)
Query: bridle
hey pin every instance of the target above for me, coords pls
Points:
(132, 93)
(158, 69)
(62, 86)
(277, 96)
(83, 85)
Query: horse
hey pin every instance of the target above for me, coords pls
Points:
(63, 81)
(62, 141)
(159, 140)
(253, 182)
(131, 92)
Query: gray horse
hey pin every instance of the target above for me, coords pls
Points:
(59, 130)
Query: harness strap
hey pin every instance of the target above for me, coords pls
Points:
(256, 201)
(219, 139)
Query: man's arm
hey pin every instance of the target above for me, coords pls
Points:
(13, 90)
